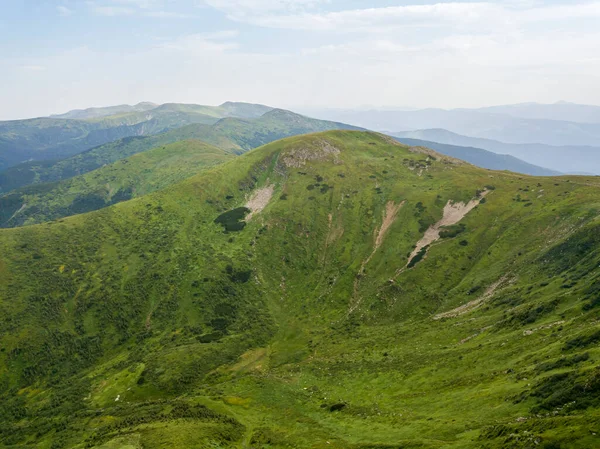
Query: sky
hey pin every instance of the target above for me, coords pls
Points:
(57, 55)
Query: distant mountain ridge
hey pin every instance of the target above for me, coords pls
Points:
(76, 131)
(95, 112)
(562, 110)
(482, 158)
(566, 159)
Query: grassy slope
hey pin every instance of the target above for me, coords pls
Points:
(231, 134)
(267, 337)
(125, 179)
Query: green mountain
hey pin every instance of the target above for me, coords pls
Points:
(482, 158)
(335, 290)
(43, 139)
(120, 181)
(231, 134)
(91, 113)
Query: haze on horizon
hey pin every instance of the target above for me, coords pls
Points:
(58, 55)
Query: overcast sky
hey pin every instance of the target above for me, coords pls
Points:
(57, 55)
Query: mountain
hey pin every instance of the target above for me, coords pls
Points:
(473, 123)
(43, 138)
(90, 113)
(335, 290)
(566, 159)
(127, 178)
(562, 111)
(482, 158)
(231, 134)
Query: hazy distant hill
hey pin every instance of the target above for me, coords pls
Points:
(472, 122)
(562, 111)
(89, 113)
(482, 158)
(565, 159)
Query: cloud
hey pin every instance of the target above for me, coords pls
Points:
(111, 11)
(167, 15)
(245, 7)
(33, 68)
(64, 11)
(219, 41)
(295, 14)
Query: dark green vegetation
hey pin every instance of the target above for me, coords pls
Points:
(145, 325)
(231, 134)
(125, 179)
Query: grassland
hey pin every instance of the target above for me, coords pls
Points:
(148, 324)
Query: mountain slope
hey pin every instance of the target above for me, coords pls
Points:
(170, 321)
(482, 158)
(566, 159)
(125, 179)
(231, 134)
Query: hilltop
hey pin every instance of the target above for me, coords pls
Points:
(337, 289)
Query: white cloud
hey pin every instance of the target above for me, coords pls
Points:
(111, 11)
(33, 68)
(167, 15)
(219, 41)
(64, 11)
(293, 14)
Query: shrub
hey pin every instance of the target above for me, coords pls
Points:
(418, 257)
(232, 221)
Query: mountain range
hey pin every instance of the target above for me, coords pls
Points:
(49, 138)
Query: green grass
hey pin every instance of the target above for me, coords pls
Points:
(256, 338)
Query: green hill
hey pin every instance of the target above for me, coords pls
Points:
(122, 180)
(336, 290)
(232, 134)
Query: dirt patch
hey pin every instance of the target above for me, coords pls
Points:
(259, 200)
(389, 217)
(472, 305)
(453, 213)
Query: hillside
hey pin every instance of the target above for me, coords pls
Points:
(333, 290)
(58, 137)
(482, 158)
(120, 181)
(566, 159)
(231, 134)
